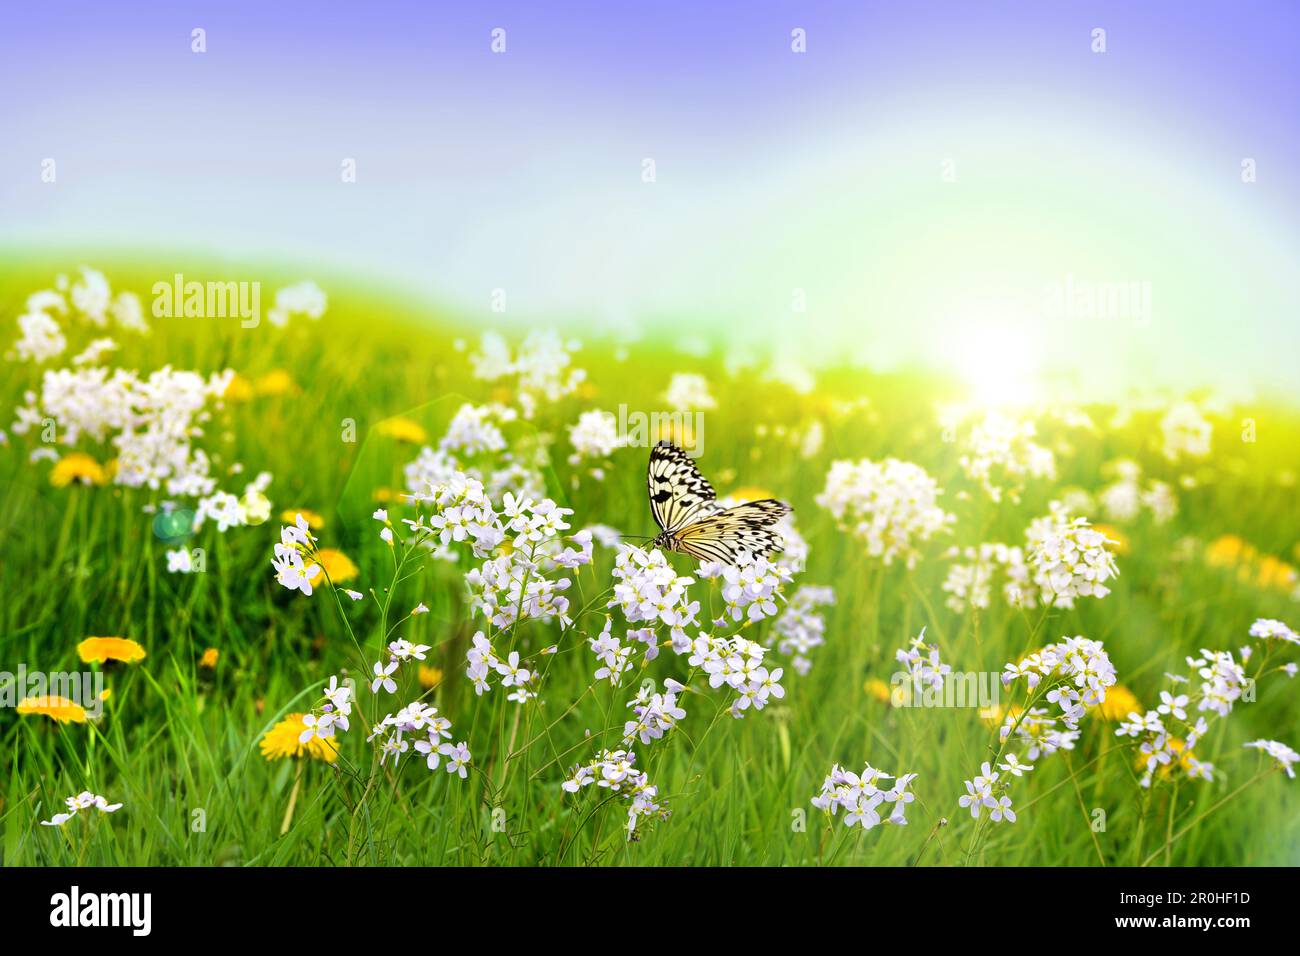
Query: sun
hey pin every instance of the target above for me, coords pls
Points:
(997, 356)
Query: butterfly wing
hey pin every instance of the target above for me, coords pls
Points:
(678, 492)
(722, 536)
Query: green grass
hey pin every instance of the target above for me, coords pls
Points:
(178, 745)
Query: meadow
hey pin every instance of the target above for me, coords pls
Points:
(359, 398)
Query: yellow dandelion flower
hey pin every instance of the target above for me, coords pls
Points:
(750, 493)
(1119, 703)
(403, 430)
(209, 658)
(993, 714)
(78, 467)
(1276, 574)
(1118, 540)
(501, 395)
(59, 709)
(384, 495)
(1228, 550)
(430, 677)
(314, 520)
(587, 391)
(282, 741)
(239, 389)
(105, 649)
(276, 382)
(877, 688)
(336, 564)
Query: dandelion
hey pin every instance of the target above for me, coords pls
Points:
(337, 565)
(59, 709)
(402, 430)
(285, 739)
(78, 467)
(313, 520)
(209, 658)
(429, 677)
(101, 650)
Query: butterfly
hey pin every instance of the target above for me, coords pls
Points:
(686, 508)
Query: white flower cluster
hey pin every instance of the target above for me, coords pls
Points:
(1037, 731)
(800, 627)
(520, 542)
(689, 392)
(615, 657)
(1185, 432)
(990, 790)
(1167, 734)
(476, 429)
(541, 367)
(649, 591)
(292, 557)
(1223, 680)
(484, 661)
(594, 438)
(474, 434)
(737, 663)
(969, 583)
(1286, 757)
(1124, 498)
(615, 770)
(1001, 455)
(923, 664)
(859, 795)
(749, 589)
(82, 801)
(330, 716)
(891, 506)
(90, 301)
(415, 719)
(656, 714)
(1069, 559)
(1077, 671)
(1275, 630)
(151, 422)
(302, 298)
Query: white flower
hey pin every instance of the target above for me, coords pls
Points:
(1286, 757)
(1173, 705)
(1277, 630)
(82, 801)
(382, 678)
(458, 758)
(1185, 432)
(689, 392)
(595, 436)
(890, 506)
(1070, 559)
